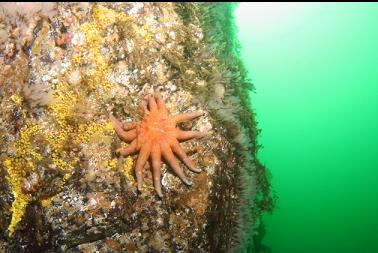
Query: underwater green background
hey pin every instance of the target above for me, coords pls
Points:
(315, 70)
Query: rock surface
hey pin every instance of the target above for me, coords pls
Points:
(63, 188)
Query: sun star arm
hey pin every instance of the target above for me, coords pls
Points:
(116, 123)
(161, 105)
(129, 150)
(176, 148)
(156, 168)
(142, 159)
(118, 127)
(143, 105)
(152, 104)
(128, 136)
(186, 116)
(187, 135)
(129, 125)
(173, 163)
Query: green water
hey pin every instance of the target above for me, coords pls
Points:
(315, 69)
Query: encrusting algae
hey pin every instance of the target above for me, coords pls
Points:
(66, 96)
(66, 189)
(102, 18)
(18, 167)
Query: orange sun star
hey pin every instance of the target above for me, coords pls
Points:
(157, 136)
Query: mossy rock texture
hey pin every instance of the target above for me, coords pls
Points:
(63, 69)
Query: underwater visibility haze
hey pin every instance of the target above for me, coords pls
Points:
(315, 70)
(95, 98)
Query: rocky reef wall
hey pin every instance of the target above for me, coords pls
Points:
(63, 68)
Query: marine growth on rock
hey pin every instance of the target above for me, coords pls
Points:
(65, 69)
